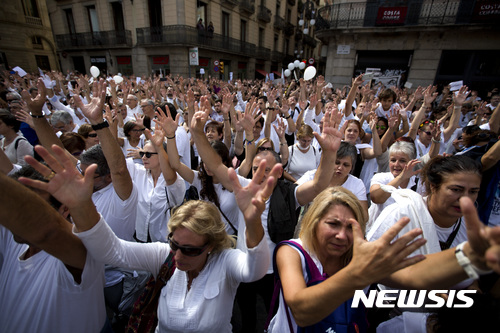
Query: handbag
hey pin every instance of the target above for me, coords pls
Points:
(144, 318)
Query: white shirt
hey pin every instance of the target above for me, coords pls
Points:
(299, 162)
(154, 203)
(353, 184)
(39, 294)
(207, 305)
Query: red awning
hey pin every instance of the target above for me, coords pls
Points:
(260, 71)
(277, 73)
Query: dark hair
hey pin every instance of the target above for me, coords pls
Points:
(95, 155)
(84, 130)
(73, 141)
(217, 125)
(10, 121)
(28, 171)
(440, 167)
(171, 108)
(207, 183)
(479, 136)
(347, 149)
(269, 152)
(388, 93)
(385, 121)
(263, 97)
(128, 127)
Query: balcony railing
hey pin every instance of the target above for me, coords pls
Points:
(309, 41)
(229, 2)
(277, 56)
(262, 53)
(247, 6)
(289, 29)
(264, 14)
(101, 39)
(33, 20)
(279, 22)
(417, 13)
(190, 36)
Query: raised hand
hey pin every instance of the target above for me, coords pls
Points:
(280, 129)
(35, 105)
(460, 98)
(430, 95)
(65, 182)
(166, 122)
(330, 137)
(198, 122)
(93, 110)
(156, 139)
(378, 259)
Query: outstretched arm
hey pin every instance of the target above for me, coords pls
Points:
(122, 183)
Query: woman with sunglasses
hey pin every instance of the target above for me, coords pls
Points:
(159, 189)
(133, 141)
(200, 294)
(89, 135)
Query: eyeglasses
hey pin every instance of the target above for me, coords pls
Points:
(190, 251)
(148, 154)
(381, 127)
(264, 148)
(92, 135)
(138, 130)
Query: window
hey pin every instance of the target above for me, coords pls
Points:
(155, 18)
(118, 16)
(276, 42)
(243, 30)
(225, 24)
(30, 8)
(261, 37)
(201, 13)
(37, 42)
(70, 21)
(93, 21)
(43, 62)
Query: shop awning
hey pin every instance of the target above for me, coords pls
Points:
(262, 72)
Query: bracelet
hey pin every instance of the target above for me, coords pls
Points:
(465, 262)
(37, 116)
(436, 141)
(171, 137)
(99, 126)
(249, 141)
(282, 144)
(226, 119)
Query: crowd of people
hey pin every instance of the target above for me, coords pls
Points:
(296, 192)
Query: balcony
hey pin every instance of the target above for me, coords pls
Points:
(101, 39)
(291, 2)
(417, 13)
(262, 53)
(277, 56)
(309, 41)
(264, 14)
(231, 3)
(247, 6)
(279, 22)
(289, 29)
(33, 20)
(183, 35)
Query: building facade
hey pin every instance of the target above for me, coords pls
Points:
(142, 37)
(26, 36)
(420, 42)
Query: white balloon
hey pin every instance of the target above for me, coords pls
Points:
(302, 65)
(296, 63)
(118, 79)
(95, 71)
(287, 72)
(291, 66)
(309, 73)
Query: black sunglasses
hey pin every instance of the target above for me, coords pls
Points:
(190, 251)
(92, 135)
(147, 153)
(265, 148)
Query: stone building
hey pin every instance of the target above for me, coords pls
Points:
(415, 41)
(26, 37)
(250, 38)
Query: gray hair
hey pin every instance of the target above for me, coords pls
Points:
(403, 147)
(149, 102)
(61, 117)
(95, 155)
(347, 149)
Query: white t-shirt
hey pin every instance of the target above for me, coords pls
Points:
(183, 145)
(299, 163)
(227, 202)
(207, 305)
(353, 184)
(154, 203)
(16, 156)
(39, 294)
(127, 146)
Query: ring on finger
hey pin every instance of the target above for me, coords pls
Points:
(49, 177)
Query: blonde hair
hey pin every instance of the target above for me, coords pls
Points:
(320, 206)
(202, 218)
(261, 142)
(305, 130)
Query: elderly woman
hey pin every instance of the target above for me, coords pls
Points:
(402, 175)
(320, 271)
(200, 294)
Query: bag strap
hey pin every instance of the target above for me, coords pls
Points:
(166, 271)
(446, 245)
(228, 221)
(16, 143)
